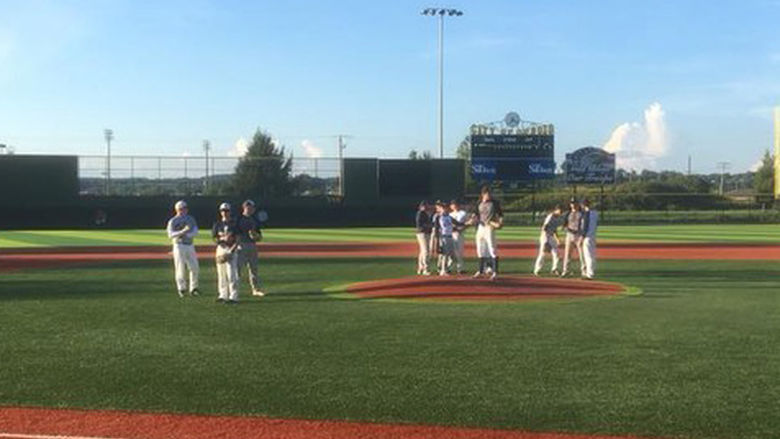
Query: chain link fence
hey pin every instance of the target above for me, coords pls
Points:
(185, 176)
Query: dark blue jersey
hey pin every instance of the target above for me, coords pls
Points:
(422, 222)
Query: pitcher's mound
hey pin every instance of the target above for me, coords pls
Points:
(463, 288)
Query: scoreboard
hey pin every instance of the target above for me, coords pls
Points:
(523, 155)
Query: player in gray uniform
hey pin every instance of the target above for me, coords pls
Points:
(249, 224)
(489, 217)
(182, 229)
(573, 239)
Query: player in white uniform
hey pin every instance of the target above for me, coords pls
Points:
(182, 229)
(589, 224)
(459, 217)
(489, 217)
(225, 234)
(548, 240)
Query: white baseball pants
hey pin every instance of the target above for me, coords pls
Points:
(573, 241)
(589, 257)
(546, 239)
(486, 242)
(227, 276)
(457, 251)
(184, 260)
(424, 241)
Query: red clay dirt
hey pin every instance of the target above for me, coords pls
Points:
(465, 288)
(11, 259)
(35, 423)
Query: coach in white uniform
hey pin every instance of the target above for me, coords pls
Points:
(589, 224)
(182, 230)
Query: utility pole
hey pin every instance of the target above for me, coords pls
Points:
(723, 166)
(342, 145)
(206, 148)
(441, 13)
(108, 134)
(689, 165)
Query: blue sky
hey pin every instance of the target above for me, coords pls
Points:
(167, 74)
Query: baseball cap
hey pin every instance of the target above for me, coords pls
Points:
(224, 206)
(248, 203)
(181, 204)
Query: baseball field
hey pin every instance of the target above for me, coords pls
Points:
(681, 340)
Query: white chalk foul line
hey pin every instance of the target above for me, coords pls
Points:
(47, 436)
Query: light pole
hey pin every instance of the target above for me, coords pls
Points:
(441, 13)
(108, 134)
(206, 149)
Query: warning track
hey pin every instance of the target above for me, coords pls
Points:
(39, 423)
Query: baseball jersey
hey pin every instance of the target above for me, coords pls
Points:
(588, 223)
(573, 221)
(423, 222)
(459, 220)
(177, 224)
(550, 224)
(222, 231)
(445, 224)
(488, 211)
(246, 224)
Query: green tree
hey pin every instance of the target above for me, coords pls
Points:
(763, 180)
(425, 155)
(264, 171)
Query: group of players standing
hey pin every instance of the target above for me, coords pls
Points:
(440, 232)
(236, 248)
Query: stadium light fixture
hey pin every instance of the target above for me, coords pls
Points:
(441, 13)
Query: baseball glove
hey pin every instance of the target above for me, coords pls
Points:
(497, 224)
(256, 235)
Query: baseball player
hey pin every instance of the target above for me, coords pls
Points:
(224, 233)
(249, 233)
(459, 217)
(548, 241)
(571, 223)
(588, 225)
(489, 217)
(444, 228)
(423, 228)
(182, 230)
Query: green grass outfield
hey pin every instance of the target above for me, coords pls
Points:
(695, 356)
(731, 233)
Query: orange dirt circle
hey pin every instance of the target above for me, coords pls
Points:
(466, 288)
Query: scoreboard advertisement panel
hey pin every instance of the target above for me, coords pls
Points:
(512, 157)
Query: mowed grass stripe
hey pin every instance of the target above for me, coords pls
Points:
(767, 234)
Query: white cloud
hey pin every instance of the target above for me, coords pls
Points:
(756, 166)
(310, 150)
(240, 148)
(638, 145)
